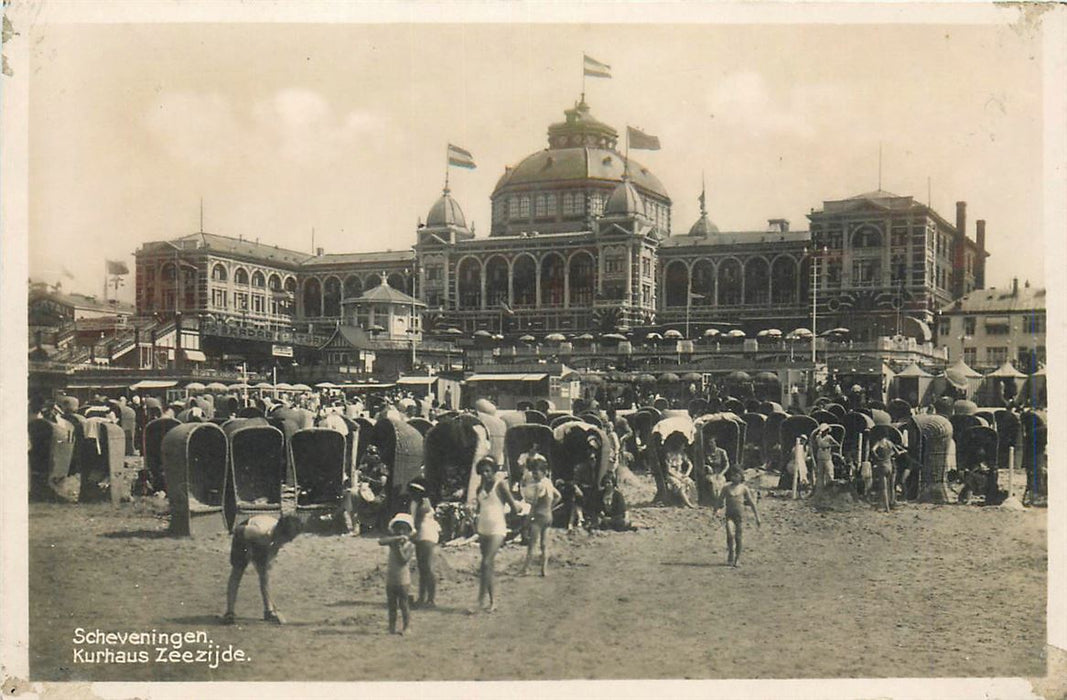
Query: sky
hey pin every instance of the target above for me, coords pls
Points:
(283, 129)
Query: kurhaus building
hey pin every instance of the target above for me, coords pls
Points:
(581, 240)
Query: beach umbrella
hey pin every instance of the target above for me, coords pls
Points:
(239, 386)
(673, 335)
(711, 333)
(283, 386)
(498, 336)
(590, 378)
(482, 334)
(736, 333)
(585, 337)
(452, 330)
(800, 333)
(194, 386)
(645, 379)
(555, 337)
(301, 387)
(669, 378)
(264, 385)
(739, 376)
(617, 337)
(653, 336)
(834, 331)
(326, 385)
(527, 338)
(216, 387)
(692, 377)
(771, 333)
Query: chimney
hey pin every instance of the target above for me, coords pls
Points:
(318, 252)
(1015, 286)
(979, 263)
(961, 218)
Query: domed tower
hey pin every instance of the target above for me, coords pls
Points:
(566, 186)
(445, 226)
(703, 226)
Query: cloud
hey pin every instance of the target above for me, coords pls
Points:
(744, 100)
(293, 125)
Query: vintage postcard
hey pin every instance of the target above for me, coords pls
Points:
(701, 349)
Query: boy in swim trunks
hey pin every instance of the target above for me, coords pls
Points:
(398, 573)
(736, 495)
(258, 540)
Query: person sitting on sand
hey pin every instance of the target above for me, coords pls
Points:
(613, 507)
(677, 467)
(736, 496)
(258, 540)
(398, 573)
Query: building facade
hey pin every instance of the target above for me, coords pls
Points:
(581, 241)
(989, 327)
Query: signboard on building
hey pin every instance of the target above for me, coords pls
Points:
(281, 350)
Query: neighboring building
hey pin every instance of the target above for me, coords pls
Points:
(884, 258)
(990, 326)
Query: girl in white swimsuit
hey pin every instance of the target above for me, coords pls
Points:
(492, 493)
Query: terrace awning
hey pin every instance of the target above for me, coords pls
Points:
(415, 381)
(154, 384)
(507, 377)
(195, 355)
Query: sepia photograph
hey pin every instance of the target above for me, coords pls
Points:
(533, 342)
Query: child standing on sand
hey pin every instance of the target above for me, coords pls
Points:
(398, 573)
(736, 495)
(543, 497)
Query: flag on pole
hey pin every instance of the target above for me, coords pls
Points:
(460, 157)
(117, 267)
(639, 140)
(595, 68)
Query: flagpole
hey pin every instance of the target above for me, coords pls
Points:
(446, 168)
(105, 280)
(626, 155)
(583, 80)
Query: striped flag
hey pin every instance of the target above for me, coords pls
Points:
(639, 140)
(460, 157)
(595, 68)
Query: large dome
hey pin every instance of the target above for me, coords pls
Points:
(563, 187)
(446, 212)
(562, 165)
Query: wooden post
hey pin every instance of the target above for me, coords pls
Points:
(1011, 471)
(796, 470)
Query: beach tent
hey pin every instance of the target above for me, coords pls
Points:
(912, 383)
(1001, 386)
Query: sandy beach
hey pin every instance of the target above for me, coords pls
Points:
(925, 591)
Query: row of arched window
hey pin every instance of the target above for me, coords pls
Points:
(323, 297)
(571, 281)
(257, 279)
(732, 282)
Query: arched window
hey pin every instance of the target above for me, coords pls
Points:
(582, 279)
(397, 281)
(353, 287)
(524, 284)
(867, 237)
(331, 297)
(496, 281)
(258, 280)
(676, 281)
(784, 280)
(524, 206)
(166, 271)
(703, 284)
(552, 267)
(274, 283)
(757, 281)
(372, 281)
(240, 276)
(312, 298)
(729, 282)
(470, 284)
(218, 273)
